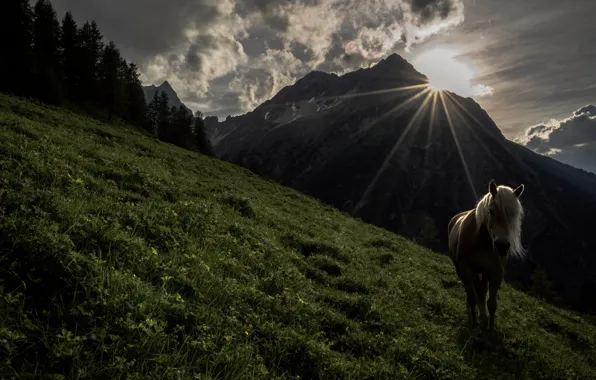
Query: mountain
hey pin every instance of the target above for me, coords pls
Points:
(165, 86)
(126, 257)
(364, 143)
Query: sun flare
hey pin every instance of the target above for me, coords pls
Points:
(448, 72)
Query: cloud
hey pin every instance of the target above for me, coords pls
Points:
(258, 46)
(270, 72)
(571, 140)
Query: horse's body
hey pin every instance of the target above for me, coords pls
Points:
(479, 243)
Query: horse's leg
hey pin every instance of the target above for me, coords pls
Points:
(494, 285)
(495, 278)
(481, 285)
(467, 276)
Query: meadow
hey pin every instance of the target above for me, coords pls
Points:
(125, 257)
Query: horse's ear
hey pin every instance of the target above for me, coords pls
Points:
(492, 187)
(519, 190)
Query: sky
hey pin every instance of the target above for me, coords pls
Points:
(527, 63)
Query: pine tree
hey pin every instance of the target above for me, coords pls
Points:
(169, 133)
(91, 51)
(70, 46)
(202, 143)
(16, 39)
(163, 117)
(181, 128)
(153, 114)
(111, 81)
(135, 97)
(46, 42)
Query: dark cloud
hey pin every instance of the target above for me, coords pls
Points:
(589, 110)
(143, 27)
(428, 10)
(193, 59)
(571, 140)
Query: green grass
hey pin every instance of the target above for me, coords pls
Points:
(123, 257)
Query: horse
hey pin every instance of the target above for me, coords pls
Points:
(480, 242)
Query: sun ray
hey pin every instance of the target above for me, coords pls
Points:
(474, 133)
(401, 105)
(431, 125)
(376, 92)
(504, 146)
(433, 112)
(460, 106)
(459, 151)
(391, 153)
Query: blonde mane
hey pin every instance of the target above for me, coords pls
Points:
(512, 210)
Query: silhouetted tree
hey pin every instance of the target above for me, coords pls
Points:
(16, 39)
(163, 117)
(153, 114)
(181, 128)
(71, 50)
(168, 134)
(46, 42)
(111, 79)
(135, 97)
(91, 51)
(202, 143)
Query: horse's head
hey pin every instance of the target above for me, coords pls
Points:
(502, 214)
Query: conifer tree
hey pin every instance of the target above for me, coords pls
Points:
(181, 128)
(202, 143)
(135, 97)
(91, 51)
(163, 117)
(112, 81)
(153, 114)
(46, 42)
(16, 39)
(70, 47)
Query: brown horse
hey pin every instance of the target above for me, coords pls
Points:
(480, 241)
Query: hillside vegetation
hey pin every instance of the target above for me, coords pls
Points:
(125, 257)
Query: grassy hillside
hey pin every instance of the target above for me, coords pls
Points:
(123, 257)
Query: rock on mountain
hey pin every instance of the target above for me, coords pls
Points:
(377, 144)
(167, 88)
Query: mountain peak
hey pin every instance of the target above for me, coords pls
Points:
(166, 86)
(395, 63)
(395, 58)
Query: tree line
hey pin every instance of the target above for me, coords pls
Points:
(62, 64)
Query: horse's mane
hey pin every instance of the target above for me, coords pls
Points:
(512, 210)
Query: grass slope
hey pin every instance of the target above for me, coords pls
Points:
(123, 257)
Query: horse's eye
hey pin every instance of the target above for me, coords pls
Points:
(490, 212)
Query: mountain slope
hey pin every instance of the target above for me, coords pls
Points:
(174, 100)
(365, 143)
(126, 257)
